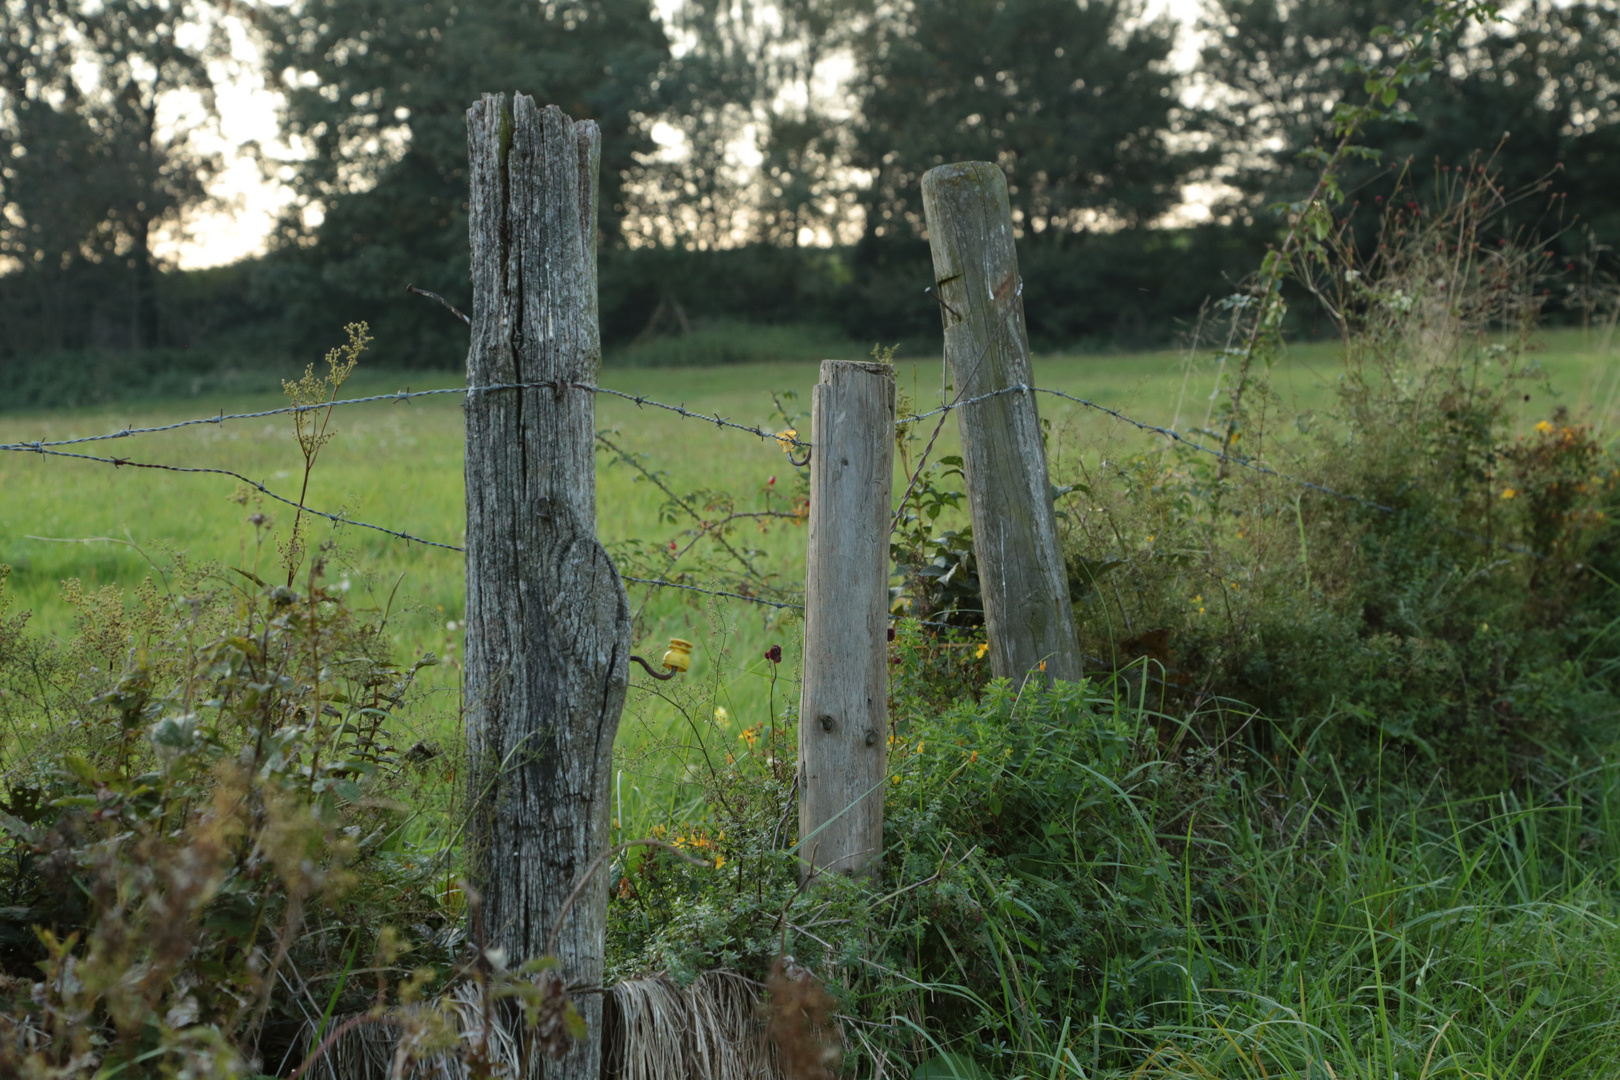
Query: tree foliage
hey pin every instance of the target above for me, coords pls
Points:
(1073, 100)
(95, 164)
(376, 97)
(1544, 79)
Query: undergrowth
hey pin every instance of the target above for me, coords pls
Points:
(224, 825)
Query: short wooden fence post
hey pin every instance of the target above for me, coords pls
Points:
(1021, 571)
(548, 622)
(843, 706)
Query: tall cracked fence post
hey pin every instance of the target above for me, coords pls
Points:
(548, 622)
(844, 700)
(1015, 539)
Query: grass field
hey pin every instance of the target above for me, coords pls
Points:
(1501, 973)
(400, 465)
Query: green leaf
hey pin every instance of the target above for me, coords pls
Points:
(949, 1067)
(17, 827)
(575, 1022)
(81, 769)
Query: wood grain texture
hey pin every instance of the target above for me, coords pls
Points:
(844, 700)
(1015, 539)
(548, 622)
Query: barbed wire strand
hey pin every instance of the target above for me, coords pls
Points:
(641, 400)
(1234, 459)
(713, 592)
(254, 484)
(409, 395)
(341, 519)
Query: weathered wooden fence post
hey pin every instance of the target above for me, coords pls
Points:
(844, 701)
(548, 622)
(1015, 539)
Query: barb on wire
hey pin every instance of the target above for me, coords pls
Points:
(1233, 459)
(398, 535)
(254, 484)
(681, 410)
(1221, 455)
(1015, 389)
(403, 395)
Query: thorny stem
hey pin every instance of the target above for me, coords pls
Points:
(1348, 122)
(960, 393)
(705, 528)
(1273, 282)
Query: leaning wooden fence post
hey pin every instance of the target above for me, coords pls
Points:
(844, 701)
(1015, 539)
(548, 622)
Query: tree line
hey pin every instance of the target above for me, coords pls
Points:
(740, 179)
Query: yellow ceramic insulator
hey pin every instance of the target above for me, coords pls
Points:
(679, 656)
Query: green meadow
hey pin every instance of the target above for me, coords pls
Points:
(399, 465)
(1405, 934)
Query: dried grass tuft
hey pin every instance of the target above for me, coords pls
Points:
(372, 1051)
(715, 1029)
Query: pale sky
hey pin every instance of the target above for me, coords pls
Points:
(249, 203)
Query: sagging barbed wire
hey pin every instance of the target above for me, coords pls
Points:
(788, 439)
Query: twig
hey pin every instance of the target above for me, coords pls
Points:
(435, 296)
(579, 887)
(972, 373)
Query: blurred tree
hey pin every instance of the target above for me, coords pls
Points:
(1073, 100)
(1546, 78)
(96, 158)
(758, 78)
(376, 98)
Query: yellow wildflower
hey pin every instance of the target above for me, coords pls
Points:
(1544, 427)
(1508, 493)
(984, 647)
(720, 714)
(719, 861)
(788, 439)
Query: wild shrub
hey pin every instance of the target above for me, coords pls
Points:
(1449, 596)
(223, 827)
(1074, 881)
